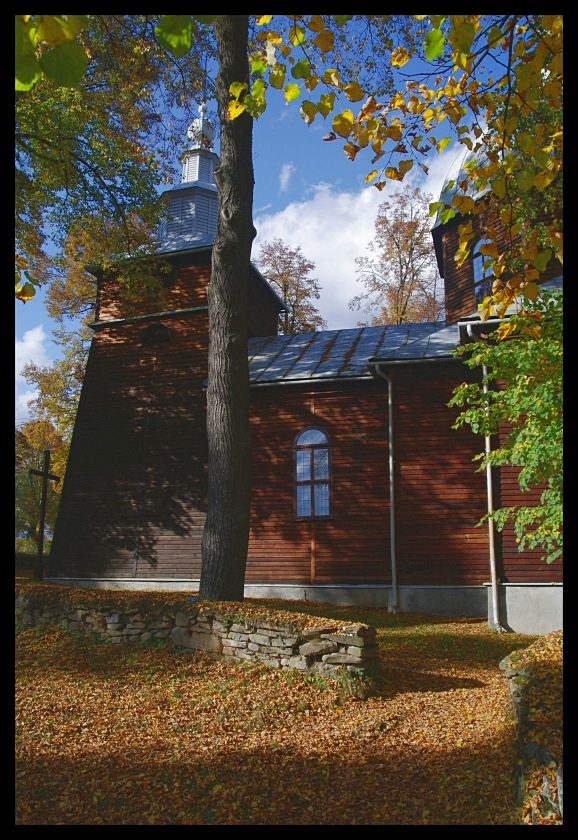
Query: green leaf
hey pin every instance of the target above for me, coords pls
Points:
(301, 70)
(308, 111)
(434, 44)
(446, 214)
(525, 180)
(175, 34)
(462, 36)
(277, 76)
(206, 18)
(66, 64)
(326, 102)
(542, 259)
(258, 63)
(28, 71)
(340, 20)
(434, 207)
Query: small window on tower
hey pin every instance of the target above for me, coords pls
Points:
(483, 274)
(155, 334)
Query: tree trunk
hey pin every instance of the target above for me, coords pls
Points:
(226, 533)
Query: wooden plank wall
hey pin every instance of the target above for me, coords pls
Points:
(352, 546)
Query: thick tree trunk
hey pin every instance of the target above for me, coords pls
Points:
(226, 534)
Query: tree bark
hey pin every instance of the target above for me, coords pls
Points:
(226, 533)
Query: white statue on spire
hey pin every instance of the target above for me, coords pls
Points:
(201, 131)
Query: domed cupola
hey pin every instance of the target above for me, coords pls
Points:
(458, 182)
(192, 207)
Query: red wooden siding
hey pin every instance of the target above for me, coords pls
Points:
(459, 281)
(522, 566)
(134, 502)
(187, 288)
(353, 545)
(440, 497)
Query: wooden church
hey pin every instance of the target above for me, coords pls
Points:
(362, 491)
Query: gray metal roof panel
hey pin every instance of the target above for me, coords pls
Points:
(185, 243)
(438, 344)
(328, 354)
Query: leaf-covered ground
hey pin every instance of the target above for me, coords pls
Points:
(142, 735)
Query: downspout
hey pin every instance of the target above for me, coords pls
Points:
(490, 496)
(394, 604)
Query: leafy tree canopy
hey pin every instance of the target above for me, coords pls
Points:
(523, 375)
(402, 279)
(97, 123)
(287, 270)
(31, 440)
(483, 77)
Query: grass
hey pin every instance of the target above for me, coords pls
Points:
(141, 735)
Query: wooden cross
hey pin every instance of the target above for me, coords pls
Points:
(46, 476)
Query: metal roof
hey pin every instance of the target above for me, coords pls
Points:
(330, 354)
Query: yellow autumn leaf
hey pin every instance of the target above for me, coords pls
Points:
(399, 57)
(542, 179)
(530, 291)
(296, 35)
(392, 173)
(324, 40)
(25, 292)
(463, 204)
(394, 132)
(351, 150)
(263, 19)
(234, 108)
(291, 91)
(370, 176)
(316, 24)
(353, 92)
(405, 166)
(330, 77)
(360, 134)
(237, 88)
(343, 123)
(489, 249)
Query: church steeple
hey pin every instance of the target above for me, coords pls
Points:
(191, 218)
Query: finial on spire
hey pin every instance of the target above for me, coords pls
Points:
(201, 131)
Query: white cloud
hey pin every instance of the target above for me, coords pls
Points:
(332, 228)
(287, 171)
(32, 347)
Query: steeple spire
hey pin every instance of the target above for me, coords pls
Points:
(191, 219)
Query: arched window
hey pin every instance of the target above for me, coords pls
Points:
(483, 274)
(312, 474)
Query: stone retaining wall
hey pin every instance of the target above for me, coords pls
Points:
(532, 754)
(327, 649)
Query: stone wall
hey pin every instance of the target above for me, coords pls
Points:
(538, 768)
(327, 649)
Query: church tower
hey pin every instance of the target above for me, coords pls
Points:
(134, 496)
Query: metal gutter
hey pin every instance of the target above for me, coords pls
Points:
(311, 381)
(491, 533)
(394, 605)
(496, 624)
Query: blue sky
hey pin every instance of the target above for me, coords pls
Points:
(306, 193)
